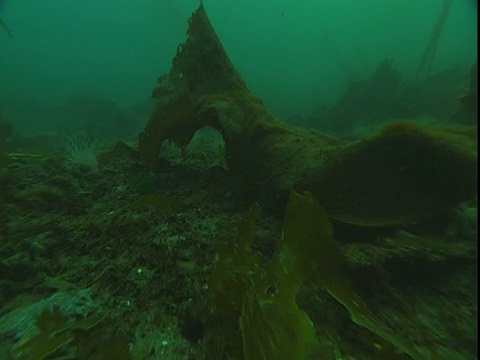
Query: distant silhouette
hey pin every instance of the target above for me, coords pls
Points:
(5, 27)
(2, 23)
(431, 48)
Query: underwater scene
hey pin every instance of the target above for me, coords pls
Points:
(225, 179)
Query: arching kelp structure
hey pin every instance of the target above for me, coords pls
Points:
(402, 174)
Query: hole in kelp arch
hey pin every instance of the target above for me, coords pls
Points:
(204, 151)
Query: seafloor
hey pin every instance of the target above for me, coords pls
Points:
(92, 269)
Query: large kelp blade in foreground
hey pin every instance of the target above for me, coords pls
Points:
(263, 300)
(403, 174)
(249, 322)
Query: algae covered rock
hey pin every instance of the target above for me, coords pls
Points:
(403, 174)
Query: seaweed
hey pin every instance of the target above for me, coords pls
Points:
(119, 148)
(246, 303)
(58, 335)
(260, 301)
(384, 179)
(165, 203)
(403, 174)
